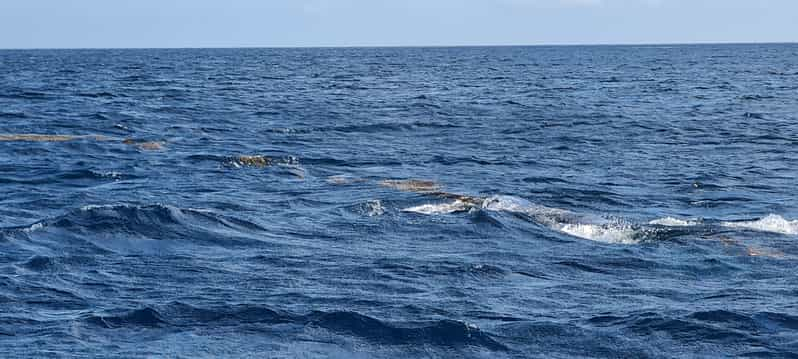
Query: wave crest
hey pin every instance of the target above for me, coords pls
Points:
(447, 333)
(622, 234)
(598, 228)
(673, 222)
(124, 226)
(440, 208)
(570, 223)
(772, 223)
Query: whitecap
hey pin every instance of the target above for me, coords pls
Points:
(92, 207)
(564, 221)
(440, 208)
(673, 222)
(374, 208)
(34, 227)
(580, 226)
(772, 223)
(545, 214)
(612, 233)
(507, 203)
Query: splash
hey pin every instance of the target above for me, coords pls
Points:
(567, 222)
(772, 223)
(374, 208)
(595, 228)
(607, 233)
(560, 220)
(288, 164)
(250, 161)
(673, 222)
(440, 208)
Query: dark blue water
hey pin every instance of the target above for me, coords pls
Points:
(569, 201)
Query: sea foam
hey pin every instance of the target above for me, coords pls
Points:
(557, 219)
(772, 223)
(440, 208)
(673, 222)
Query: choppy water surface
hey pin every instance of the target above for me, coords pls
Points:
(568, 201)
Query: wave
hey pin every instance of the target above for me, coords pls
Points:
(716, 326)
(26, 95)
(772, 223)
(374, 208)
(621, 234)
(289, 165)
(146, 317)
(30, 137)
(370, 128)
(127, 228)
(446, 333)
(440, 208)
(80, 176)
(102, 94)
(570, 223)
(698, 327)
(564, 221)
(254, 161)
(674, 222)
(596, 228)
(20, 115)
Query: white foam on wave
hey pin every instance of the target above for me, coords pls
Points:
(564, 221)
(596, 228)
(546, 215)
(772, 223)
(374, 208)
(92, 207)
(440, 208)
(34, 227)
(607, 233)
(557, 219)
(673, 222)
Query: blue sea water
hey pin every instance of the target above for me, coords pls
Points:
(609, 201)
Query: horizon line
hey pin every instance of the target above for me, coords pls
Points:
(408, 46)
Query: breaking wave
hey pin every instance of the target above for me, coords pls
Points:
(440, 208)
(567, 222)
(564, 221)
(597, 228)
(673, 222)
(772, 223)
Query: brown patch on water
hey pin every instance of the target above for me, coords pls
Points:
(30, 137)
(151, 146)
(145, 145)
(253, 161)
(412, 185)
(342, 180)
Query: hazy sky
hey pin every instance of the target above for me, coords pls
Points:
(232, 23)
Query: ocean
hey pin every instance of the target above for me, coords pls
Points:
(492, 202)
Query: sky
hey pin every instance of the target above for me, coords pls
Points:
(300, 23)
